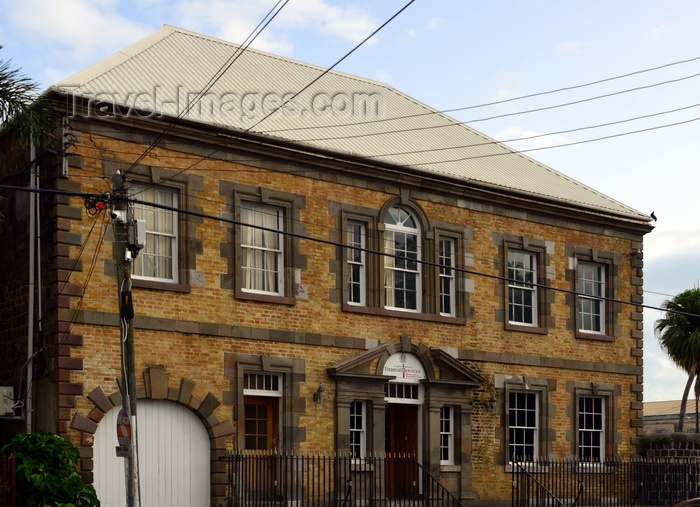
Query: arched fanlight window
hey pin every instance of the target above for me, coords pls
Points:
(402, 267)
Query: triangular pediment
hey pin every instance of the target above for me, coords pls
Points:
(439, 365)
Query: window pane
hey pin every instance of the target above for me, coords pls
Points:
(261, 249)
(402, 269)
(591, 289)
(158, 259)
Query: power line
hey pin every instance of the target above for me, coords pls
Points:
(108, 197)
(486, 104)
(574, 143)
(313, 81)
(227, 65)
(526, 138)
(454, 123)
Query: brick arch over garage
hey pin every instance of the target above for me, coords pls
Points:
(156, 387)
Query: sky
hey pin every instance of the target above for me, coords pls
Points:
(632, 132)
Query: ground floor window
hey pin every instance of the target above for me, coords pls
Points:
(591, 428)
(446, 435)
(358, 435)
(522, 426)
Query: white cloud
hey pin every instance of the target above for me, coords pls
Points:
(660, 31)
(70, 30)
(435, 22)
(350, 23)
(572, 47)
(670, 242)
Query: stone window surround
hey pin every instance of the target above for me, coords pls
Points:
(545, 273)
(504, 385)
(611, 262)
(431, 231)
(292, 204)
(292, 404)
(184, 185)
(610, 394)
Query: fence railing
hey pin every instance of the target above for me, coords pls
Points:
(339, 481)
(8, 480)
(641, 482)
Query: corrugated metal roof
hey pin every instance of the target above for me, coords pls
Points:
(340, 112)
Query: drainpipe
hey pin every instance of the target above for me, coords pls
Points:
(28, 408)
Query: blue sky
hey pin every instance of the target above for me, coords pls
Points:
(457, 54)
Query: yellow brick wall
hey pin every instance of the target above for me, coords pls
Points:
(200, 358)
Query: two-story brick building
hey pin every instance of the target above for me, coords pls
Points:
(343, 270)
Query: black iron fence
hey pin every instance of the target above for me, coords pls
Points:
(642, 482)
(8, 480)
(264, 479)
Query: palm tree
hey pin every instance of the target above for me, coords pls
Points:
(679, 337)
(24, 115)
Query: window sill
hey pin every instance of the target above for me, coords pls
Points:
(510, 326)
(384, 312)
(450, 468)
(582, 335)
(154, 285)
(265, 298)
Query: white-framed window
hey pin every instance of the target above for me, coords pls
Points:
(262, 249)
(158, 260)
(591, 428)
(591, 289)
(357, 282)
(522, 291)
(446, 261)
(358, 432)
(409, 393)
(402, 266)
(262, 384)
(447, 436)
(523, 426)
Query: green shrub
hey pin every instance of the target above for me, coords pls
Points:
(47, 473)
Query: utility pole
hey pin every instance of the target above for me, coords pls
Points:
(127, 246)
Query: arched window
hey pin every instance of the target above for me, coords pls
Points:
(402, 266)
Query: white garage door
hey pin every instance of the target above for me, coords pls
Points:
(174, 453)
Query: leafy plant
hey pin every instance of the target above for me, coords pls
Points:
(47, 473)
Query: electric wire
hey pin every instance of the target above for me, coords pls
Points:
(447, 148)
(494, 103)
(239, 51)
(312, 82)
(366, 250)
(455, 123)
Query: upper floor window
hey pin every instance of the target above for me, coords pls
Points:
(522, 291)
(446, 260)
(591, 428)
(594, 276)
(402, 266)
(396, 261)
(591, 302)
(158, 260)
(523, 426)
(356, 259)
(262, 252)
